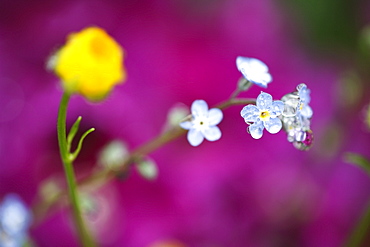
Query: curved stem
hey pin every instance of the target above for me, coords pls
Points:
(83, 234)
(232, 101)
(156, 143)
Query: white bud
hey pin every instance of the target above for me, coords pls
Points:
(148, 169)
(113, 155)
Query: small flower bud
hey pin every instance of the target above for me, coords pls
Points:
(148, 169)
(176, 114)
(113, 155)
(49, 189)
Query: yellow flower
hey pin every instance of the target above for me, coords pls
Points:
(90, 64)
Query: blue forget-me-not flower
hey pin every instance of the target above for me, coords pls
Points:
(263, 115)
(15, 219)
(297, 116)
(202, 123)
(254, 71)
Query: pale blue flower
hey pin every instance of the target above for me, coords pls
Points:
(202, 123)
(304, 99)
(15, 219)
(254, 71)
(297, 117)
(296, 128)
(263, 115)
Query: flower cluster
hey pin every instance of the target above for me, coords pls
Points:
(15, 219)
(297, 116)
(292, 113)
(91, 64)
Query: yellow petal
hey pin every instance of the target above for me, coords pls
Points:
(90, 64)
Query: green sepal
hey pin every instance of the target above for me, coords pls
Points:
(244, 84)
(73, 131)
(74, 155)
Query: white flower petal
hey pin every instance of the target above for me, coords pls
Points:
(254, 70)
(304, 93)
(195, 137)
(256, 130)
(261, 79)
(276, 108)
(301, 86)
(242, 63)
(199, 108)
(212, 133)
(214, 116)
(273, 125)
(250, 64)
(250, 113)
(186, 125)
(300, 135)
(306, 111)
(258, 65)
(264, 100)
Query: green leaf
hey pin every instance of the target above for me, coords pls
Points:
(358, 160)
(74, 155)
(73, 131)
(148, 169)
(358, 236)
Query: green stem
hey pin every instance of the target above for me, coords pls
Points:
(156, 143)
(232, 101)
(83, 234)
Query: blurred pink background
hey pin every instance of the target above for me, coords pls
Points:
(234, 192)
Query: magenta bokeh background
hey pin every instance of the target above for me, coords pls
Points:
(233, 192)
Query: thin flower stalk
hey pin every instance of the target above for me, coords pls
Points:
(82, 231)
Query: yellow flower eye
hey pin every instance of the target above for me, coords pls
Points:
(264, 115)
(90, 64)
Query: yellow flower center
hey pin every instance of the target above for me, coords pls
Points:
(99, 48)
(265, 115)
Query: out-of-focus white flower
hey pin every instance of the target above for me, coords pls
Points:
(254, 71)
(15, 219)
(202, 123)
(263, 115)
